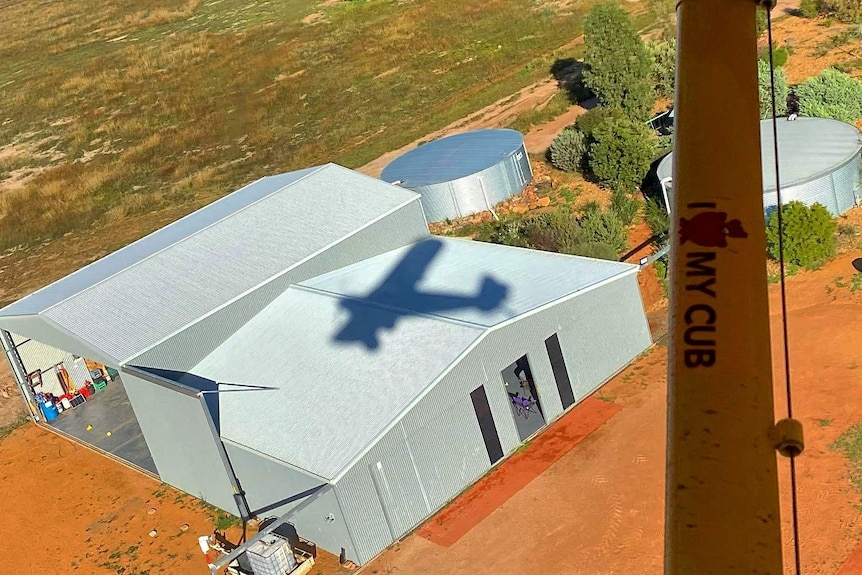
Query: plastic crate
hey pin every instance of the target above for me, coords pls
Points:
(271, 555)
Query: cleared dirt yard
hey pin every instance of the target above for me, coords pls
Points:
(599, 508)
(591, 504)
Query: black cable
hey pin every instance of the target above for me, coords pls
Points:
(785, 341)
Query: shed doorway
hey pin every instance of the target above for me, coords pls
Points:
(523, 398)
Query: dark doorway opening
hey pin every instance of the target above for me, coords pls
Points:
(523, 398)
(486, 424)
(561, 374)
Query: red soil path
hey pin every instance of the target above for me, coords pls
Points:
(490, 492)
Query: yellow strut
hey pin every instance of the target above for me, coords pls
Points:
(722, 513)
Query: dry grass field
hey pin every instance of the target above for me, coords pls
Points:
(119, 116)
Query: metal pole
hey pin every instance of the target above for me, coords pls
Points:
(238, 493)
(722, 506)
(19, 372)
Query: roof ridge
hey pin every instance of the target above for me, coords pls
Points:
(434, 316)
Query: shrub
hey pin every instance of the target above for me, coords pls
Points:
(663, 58)
(597, 234)
(656, 217)
(779, 57)
(809, 235)
(764, 86)
(554, 232)
(621, 153)
(603, 227)
(596, 250)
(617, 66)
(625, 206)
(760, 20)
(809, 8)
(568, 150)
(593, 118)
(831, 94)
(844, 10)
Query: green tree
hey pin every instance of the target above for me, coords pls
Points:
(663, 56)
(809, 235)
(568, 149)
(831, 94)
(593, 118)
(782, 91)
(621, 153)
(617, 66)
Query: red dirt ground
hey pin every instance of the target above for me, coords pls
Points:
(66, 509)
(448, 526)
(599, 508)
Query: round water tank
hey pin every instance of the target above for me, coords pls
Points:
(818, 162)
(464, 173)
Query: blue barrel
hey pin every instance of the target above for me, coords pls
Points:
(49, 410)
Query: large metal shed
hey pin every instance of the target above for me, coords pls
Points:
(465, 173)
(363, 394)
(818, 160)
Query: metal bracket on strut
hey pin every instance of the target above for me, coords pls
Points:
(768, 4)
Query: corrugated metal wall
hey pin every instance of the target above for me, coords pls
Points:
(187, 348)
(37, 355)
(466, 196)
(274, 488)
(437, 449)
(181, 441)
(837, 191)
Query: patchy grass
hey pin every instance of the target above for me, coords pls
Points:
(147, 106)
(850, 443)
(222, 520)
(6, 430)
(557, 105)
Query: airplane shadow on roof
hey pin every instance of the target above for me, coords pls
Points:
(399, 296)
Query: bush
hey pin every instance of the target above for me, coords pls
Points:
(621, 153)
(603, 227)
(593, 118)
(760, 20)
(663, 57)
(656, 217)
(809, 235)
(844, 10)
(554, 232)
(568, 150)
(809, 8)
(764, 85)
(625, 206)
(617, 66)
(596, 250)
(596, 233)
(832, 94)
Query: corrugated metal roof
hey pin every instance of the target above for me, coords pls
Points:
(452, 157)
(132, 299)
(808, 148)
(403, 279)
(348, 360)
(150, 245)
(333, 398)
